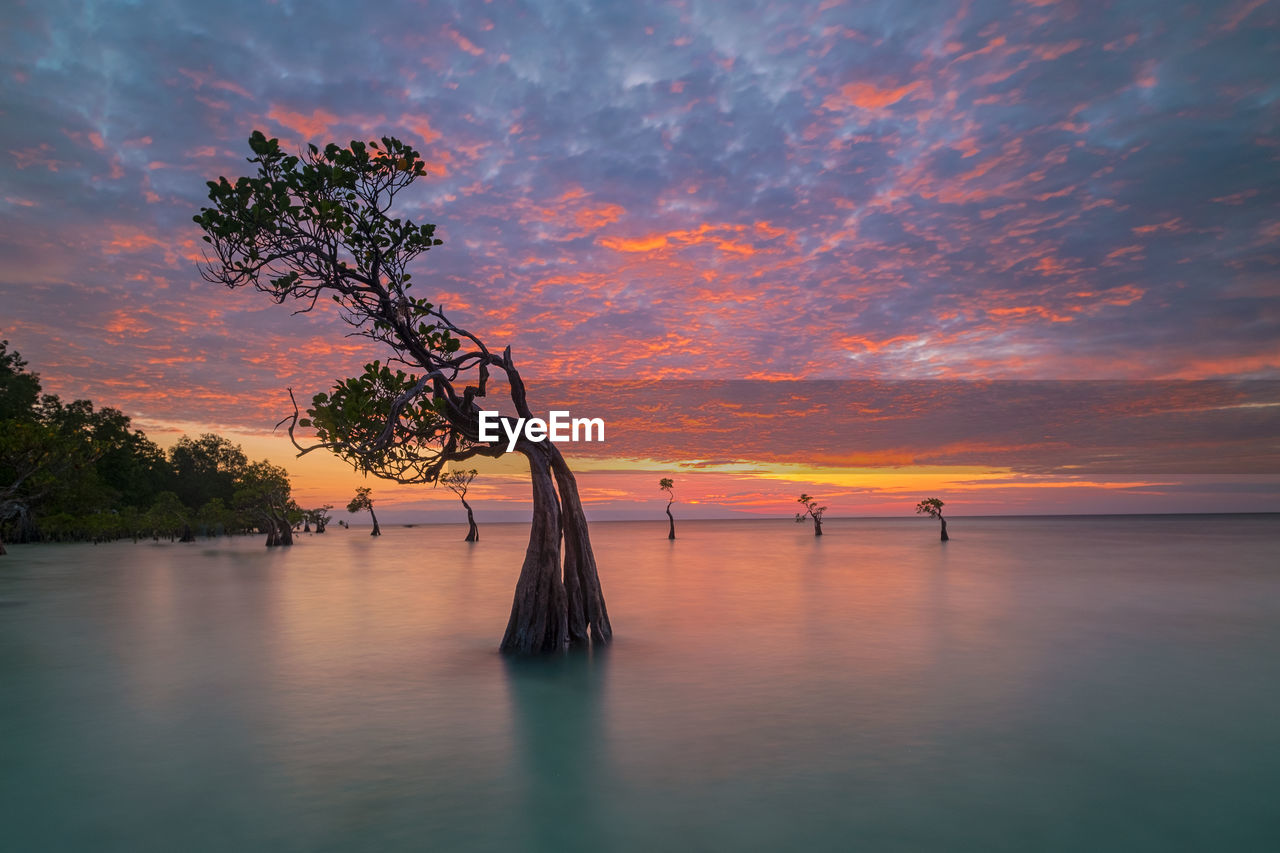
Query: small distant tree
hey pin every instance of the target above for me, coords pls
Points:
(361, 502)
(264, 496)
(458, 482)
(933, 507)
(318, 517)
(811, 510)
(667, 485)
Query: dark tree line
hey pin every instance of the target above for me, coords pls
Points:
(70, 472)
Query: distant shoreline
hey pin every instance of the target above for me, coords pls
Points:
(903, 518)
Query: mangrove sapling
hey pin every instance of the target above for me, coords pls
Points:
(458, 482)
(319, 517)
(667, 485)
(362, 501)
(811, 510)
(933, 507)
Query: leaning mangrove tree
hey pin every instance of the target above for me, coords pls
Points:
(811, 510)
(459, 482)
(362, 502)
(322, 226)
(666, 484)
(932, 507)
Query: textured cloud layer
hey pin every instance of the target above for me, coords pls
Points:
(695, 190)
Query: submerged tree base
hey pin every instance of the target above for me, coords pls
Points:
(558, 601)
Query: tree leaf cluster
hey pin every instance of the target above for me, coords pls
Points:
(322, 225)
(69, 471)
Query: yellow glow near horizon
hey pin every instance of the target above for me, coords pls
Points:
(321, 477)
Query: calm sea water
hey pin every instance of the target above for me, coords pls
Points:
(1035, 684)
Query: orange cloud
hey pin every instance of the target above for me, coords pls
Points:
(716, 235)
(463, 42)
(202, 79)
(868, 96)
(308, 126)
(593, 218)
(642, 244)
(36, 155)
(1050, 52)
(421, 128)
(1168, 225)
(125, 239)
(1242, 11)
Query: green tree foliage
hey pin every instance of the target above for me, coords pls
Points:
(205, 468)
(318, 517)
(69, 471)
(215, 517)
(459, 482)
(318, 226)
(362, 502)
(932, 507)
(19, 389)
(666, 484)
(264, 493)
(811, 510)
(167, 517)
(46, 449)
(325, 226)
(132, 467)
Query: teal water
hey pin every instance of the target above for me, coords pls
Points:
(1035, 684)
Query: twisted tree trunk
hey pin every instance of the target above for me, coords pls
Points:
(817, 526)
(279, 531)
(588, 615)
(377, 531)
(286, 530)
(473, 532)
(558, 602)
(671, 532)
(945, 537)
(539, 614)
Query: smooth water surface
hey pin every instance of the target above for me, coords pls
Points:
(1035, 684)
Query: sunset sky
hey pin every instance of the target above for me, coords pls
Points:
(676, 195)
